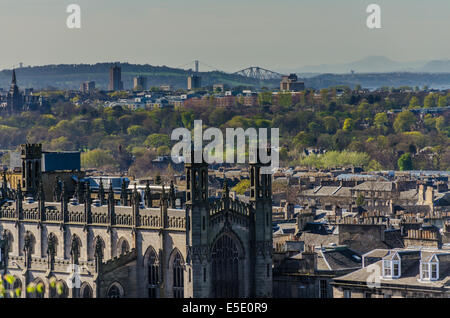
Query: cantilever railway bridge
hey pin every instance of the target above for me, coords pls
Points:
(255, 72)
(259, 73)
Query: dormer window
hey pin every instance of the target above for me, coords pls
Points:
(392, 266)
(396, 268)
(434, 271)
(430, 270)
(425, 272)
(387, 269)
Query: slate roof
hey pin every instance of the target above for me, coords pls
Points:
(313, 239)
(410, 276)
(412, 194)
(334, 258)
(342, 258)
(375, 186)
(285, 228)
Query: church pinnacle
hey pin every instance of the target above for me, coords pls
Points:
(13, 81)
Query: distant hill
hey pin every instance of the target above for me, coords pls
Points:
(377, 80)
(438, 66)
(70, 76)
(370, 64)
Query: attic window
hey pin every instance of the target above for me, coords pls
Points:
(387, 272)
(425, 273)
(429, 270)
(392, 267)
(434, 271)
(396, 268)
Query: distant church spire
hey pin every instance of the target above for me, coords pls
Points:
(226, 189)
(14, 99)
(13, 77)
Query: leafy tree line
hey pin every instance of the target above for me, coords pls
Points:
(354, 129)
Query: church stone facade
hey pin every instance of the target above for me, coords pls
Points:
(213, 247)
(15, 101)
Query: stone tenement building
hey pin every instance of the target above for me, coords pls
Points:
(398, 273)
(214, 247)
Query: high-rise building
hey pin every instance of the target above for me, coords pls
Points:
(291, 84)
(140, 83)
(87, 87)
(194, 81)
(115, 78)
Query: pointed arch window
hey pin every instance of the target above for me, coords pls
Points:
(225, 268)
(86, 291)
(39, 289)
(115, 291)
(178, 276)
(124, 247)
(153, 275)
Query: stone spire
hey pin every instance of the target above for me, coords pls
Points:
(162, 199)
(41, 201)
(226, 189)
(111, 204)
(41, 193)
(87, 203)
(101, 192)
(80, 192)
(4, 191)
(14, 81)
(57, 190)
(19, 199)
(226, 197)
(136, 195)
(64, 199)
(172, 195)
(148, 195)
(111, 194)
(124, 194)
(136, 200)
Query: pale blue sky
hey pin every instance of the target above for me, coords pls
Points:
(227, 34)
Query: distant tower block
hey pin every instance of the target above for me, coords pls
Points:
(194, 81)
(115, 78)
(140, 83)
(196, 66)
(291, 84)
(87, 87)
